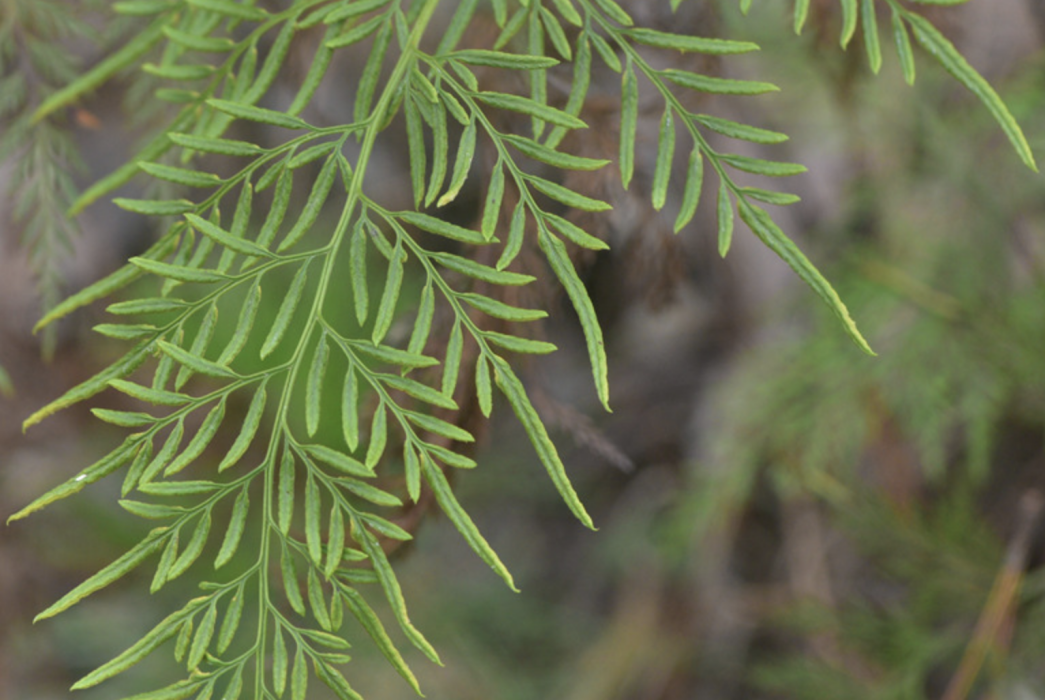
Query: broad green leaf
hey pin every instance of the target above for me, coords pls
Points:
(339, 461)
(314, 387)
(285, 505)
(368, 493)
(903, 46)
(615, 12)
(350, 410)
(758, 166)
(335, 681)
(501, 59)
(180, 176)
(313, 511)
(279, 661)
(516, 234)
(387, 306)
(124, 57)
(737, 130)
(250, 428)
(415, 141)
(575, 233)
(142, 8)
(725, 219)
(237, 525)
(498, 309)
(233, 615)
(201, 640)
(440, 227)
(449, 457)
(286, 311)
(689, 43)
(317, 600)
(114, 571)
(194, 42)
(358, 266)
(459, 24)
(316, 71)
(222, 237)
(230, 8)
(555, 251)
(463, 522)
(870, 23)
(371, 73)
(483, 389)
(394, 356)
(370, 622)
(244, 322)
(124, 419)
(99, 382)
(411, 471)
(849, 15)
(313, 205)
(452, 364)
(948, 56)
(149, 207)
(107, 285)
(163, 568)
(554, 30)
(438, 426)
(393, 593)
(193, 549)
(492, 204)
(514, 343)
(150, 511)
(157, 397)
(258, 114)
(299, 676)
(177, 272)
(629, 120)
(291, 586)
(357, 33)
(691, 193)
(770, 234)
(180, 488)
(607, 54)
(147, 305)
(378, 436)
(419, 391)
(529, 107)
(571, 199)
(423, 322)
(718, 86)
(203, 437)
(578, 87)
(801, 13)
(665, 157)
(179, 72)
(195, 362)
(537, 151)
(335, 541)
(569, 12)
(353, 9)
(149, 642)
(770, 197)
(513, 390)
(278, 210)
(462, 165)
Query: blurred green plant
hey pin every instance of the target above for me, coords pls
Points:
(346, 415)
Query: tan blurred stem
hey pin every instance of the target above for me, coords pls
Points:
(993, 629)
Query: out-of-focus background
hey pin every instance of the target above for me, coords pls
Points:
(780, 516)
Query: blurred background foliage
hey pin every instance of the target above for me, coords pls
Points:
(779, 516)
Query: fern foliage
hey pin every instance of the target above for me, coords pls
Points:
(305, 361)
